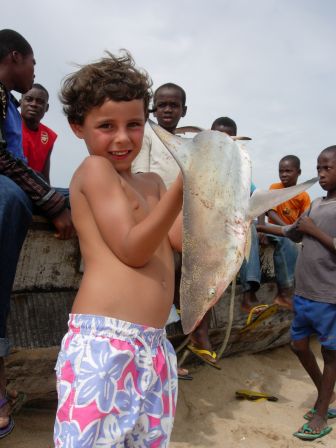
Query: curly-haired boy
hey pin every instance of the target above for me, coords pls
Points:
(116, 370)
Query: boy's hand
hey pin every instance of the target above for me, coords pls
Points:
(63, 224)
(263, 240)
(179, 180)
(306, 225)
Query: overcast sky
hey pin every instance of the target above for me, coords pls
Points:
(268, 64)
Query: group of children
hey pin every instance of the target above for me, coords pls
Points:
(116, 371)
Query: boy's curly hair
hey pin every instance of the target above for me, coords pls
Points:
(111, 78)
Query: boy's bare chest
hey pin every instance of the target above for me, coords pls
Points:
(141, 200)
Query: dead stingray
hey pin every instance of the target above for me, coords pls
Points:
(217, 213)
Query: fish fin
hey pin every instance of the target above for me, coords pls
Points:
(263, 200)
(248, 244)
(179, 147)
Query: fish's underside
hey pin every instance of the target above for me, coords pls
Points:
(217, 213)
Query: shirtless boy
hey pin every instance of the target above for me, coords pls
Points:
(116, 371)
(315, 294)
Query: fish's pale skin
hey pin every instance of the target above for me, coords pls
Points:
(217, 213)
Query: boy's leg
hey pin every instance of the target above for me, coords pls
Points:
(302, 350)
(250, 273)
(15, 217)
(321, 318)
(115, 385)
(326, 390)
(284, 257)
(154, 426)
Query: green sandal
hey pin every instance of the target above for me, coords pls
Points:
(309, 415)
(306, 432)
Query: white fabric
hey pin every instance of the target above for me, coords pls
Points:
(155, 157)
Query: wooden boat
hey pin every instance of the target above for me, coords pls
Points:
(47, 278)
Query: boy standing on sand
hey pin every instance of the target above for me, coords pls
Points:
(315, 293)
(116, 371)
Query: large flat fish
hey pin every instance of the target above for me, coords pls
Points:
(217, 213)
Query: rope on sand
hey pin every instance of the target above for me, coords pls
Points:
(230, 322)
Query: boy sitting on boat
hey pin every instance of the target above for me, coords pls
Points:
(37, 139)
(116, 370)
(315, 293)
(285, 251)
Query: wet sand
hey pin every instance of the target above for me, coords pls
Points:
(208, 413)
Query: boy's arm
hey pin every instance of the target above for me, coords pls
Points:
(51, 203)
(46, 168)
(272, 214)
(306, 225)
(175, 233)
(134, 243)
(272, 229)
(292, 232)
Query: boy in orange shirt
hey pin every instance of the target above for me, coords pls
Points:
(285, 252)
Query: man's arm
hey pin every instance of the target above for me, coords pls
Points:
(51, 203)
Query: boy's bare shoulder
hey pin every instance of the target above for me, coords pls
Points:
(94, 172)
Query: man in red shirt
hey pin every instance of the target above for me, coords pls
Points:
(37, 139)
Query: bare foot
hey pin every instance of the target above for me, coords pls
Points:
(249, 301)
(316, 424)
(284, 298)
(310, 414)
(4, 411)
(283, 303)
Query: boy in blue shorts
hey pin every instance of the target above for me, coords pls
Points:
(315, 293)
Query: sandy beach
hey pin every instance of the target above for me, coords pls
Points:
(208, 413)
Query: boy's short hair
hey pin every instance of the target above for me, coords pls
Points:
(294, 160)
(225, 121)
(331, 149)
(40, 87)
(11, 40)
(171, 85)
(111, 78)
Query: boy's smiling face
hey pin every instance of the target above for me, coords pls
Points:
(114, 131)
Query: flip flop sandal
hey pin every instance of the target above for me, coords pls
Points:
(17, 402)
(185, 377)
(257, 315)
(306, 432)
(6, 430)
(254, 396)
(309, 415)
(202, 353)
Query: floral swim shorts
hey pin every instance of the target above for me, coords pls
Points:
(116, 385)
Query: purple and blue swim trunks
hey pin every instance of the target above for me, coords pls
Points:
(116, 384)
(312, 317)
